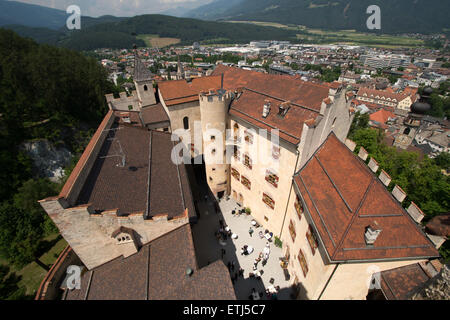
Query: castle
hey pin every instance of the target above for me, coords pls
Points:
(127, 192)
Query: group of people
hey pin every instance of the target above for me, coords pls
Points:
(224, 232)
(235, 275)
(263, 256)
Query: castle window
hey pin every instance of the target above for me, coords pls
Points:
(213, 151)
(311, 239)
(248, 161)
(302, 260)
(145, 88)
(236, 131)
(268, 201)
(276, 152)
(236, 153)
(246, 182)
(248, 137)
(123, 235)
(298, 207)
(213, 138)
(235, 174)
(186, 123)
(292, 230)
(272, 178)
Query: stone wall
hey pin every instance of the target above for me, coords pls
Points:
(81, 172)
(90, 235)
(438, 288)
(49, 288)
(123, 103)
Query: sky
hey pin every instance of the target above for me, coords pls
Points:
(119, 8)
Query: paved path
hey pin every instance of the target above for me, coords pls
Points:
(208, 249)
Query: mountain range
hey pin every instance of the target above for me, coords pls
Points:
(48, 25)
(397, 16)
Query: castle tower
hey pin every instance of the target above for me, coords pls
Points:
(180, 70)
(214, 115)
(143, 83)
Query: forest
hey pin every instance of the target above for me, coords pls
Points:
(46, 93)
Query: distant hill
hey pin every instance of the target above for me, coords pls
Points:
(112, 32)
(189, 30)
(213, 10)
(29, 15)
(397, 16)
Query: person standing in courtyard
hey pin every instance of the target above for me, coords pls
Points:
(250, 231)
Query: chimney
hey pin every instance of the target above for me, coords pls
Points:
(221, 82)
(372, 233)
(266, 109)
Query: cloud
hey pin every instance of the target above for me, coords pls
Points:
(120, 8)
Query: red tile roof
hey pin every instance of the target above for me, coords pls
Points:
(284, 87)
(180, 91)
(150, 182)
(249, 107)
(439, 225)
(371, 93)
(343, 197)
(157, 272)
(382, 116)
(400, 283)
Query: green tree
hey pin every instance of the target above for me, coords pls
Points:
(421, 179)
(361, 121)
(20, 235)
(27, 197)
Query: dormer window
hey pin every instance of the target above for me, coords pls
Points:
(123, 235)
(283, 109)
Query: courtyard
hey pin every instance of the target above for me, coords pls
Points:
(209, 249)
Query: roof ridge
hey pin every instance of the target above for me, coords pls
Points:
(355, 215)
(273, 97)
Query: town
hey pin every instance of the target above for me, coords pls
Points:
(215, 150)
(226, 198)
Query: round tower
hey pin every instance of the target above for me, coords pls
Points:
(214, 117)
